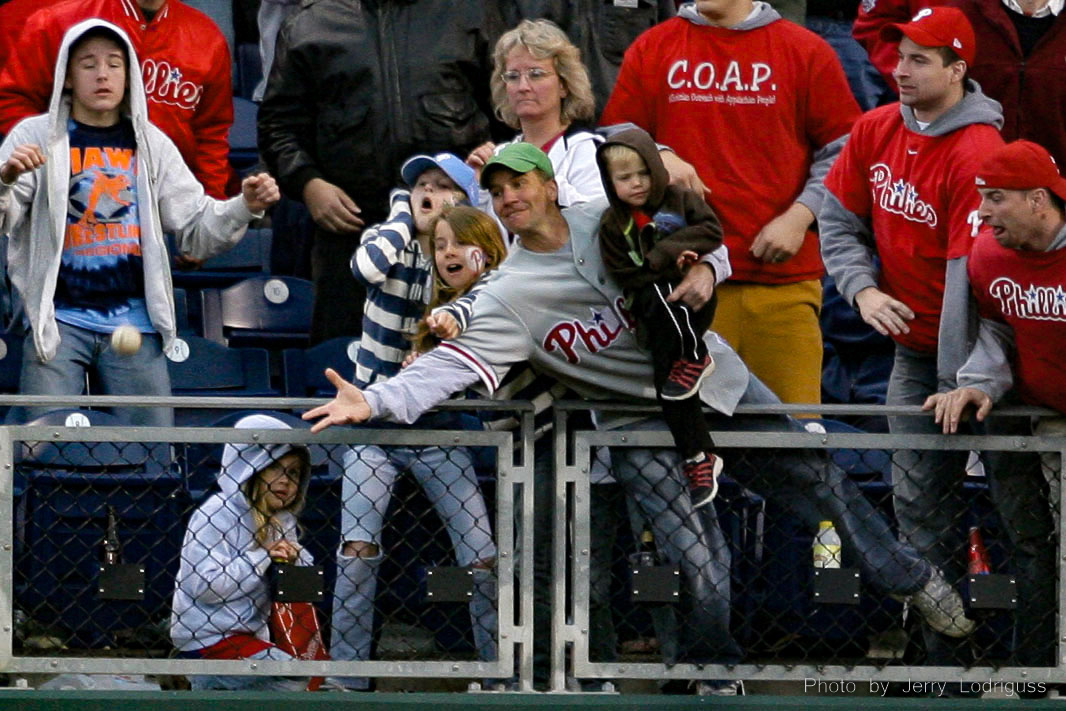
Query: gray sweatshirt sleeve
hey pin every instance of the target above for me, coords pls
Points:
(958, 324)
(847, 248)
(419, 387)
(814, 192)
(988, 367)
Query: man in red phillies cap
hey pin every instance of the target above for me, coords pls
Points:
(902, 191)
(937, 27)
(1018, 277)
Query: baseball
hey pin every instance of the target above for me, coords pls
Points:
(125, 340)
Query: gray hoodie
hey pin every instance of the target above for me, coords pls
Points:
(848, 244)
(33, 210)
(221, 588)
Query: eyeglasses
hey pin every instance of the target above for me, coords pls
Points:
(293, 474)
(513, 76)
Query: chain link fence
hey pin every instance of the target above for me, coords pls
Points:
(979, 561)
(113, 554)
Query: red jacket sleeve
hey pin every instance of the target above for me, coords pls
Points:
(211, 124)
(26, 78)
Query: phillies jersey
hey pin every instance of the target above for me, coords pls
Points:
(582, 335)
(916, 191)
(748, 108)
(1027, 291)
(185, 65)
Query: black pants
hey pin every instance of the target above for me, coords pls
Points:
(673, 330)
(338, 309)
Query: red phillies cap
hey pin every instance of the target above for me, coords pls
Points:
(1021, 165)
(937, 27)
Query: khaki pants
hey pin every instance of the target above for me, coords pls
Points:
(775, 329)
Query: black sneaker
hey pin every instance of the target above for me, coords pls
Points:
(685, 378)
(702, 473)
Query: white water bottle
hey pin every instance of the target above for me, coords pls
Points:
(826, 546)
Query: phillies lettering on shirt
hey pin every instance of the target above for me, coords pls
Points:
(916, 192)
(1040, 303)
(900, 197)
(605, 327)
(165, 84)
(1027, 291)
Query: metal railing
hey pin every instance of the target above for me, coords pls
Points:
(760, 537)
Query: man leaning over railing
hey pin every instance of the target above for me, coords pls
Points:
(1017, 275)
(542, 299)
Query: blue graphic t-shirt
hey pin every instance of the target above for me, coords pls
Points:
(101, 277)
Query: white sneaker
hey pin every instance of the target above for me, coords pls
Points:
(941, 607)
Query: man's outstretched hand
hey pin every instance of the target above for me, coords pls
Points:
(348, 407)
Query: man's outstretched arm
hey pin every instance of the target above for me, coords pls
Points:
(424, 384)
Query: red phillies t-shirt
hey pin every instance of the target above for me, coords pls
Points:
(918, 194)
(748, 108)
(1026, 291)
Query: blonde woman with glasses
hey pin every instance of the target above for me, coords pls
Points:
(541, 88)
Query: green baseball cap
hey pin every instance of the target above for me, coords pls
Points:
(519, 157)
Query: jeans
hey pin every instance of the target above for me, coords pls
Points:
(1020, 494)
(251, 683)
(81, 350)
(447, 476)
(805, 482)
(927, 487)
(865, 81)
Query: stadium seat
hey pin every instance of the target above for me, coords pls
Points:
(270, 312)
(303, 371)
(243, 150)
(202, 367)
(10, 366)
(249, 69)
(71, 486)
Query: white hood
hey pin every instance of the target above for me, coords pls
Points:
(241, 461)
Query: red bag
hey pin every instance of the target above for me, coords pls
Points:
(294, 629)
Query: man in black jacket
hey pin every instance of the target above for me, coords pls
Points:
(356, 88)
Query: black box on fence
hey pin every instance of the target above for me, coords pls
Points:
(838, 586)
(659, 583)
(121, 581)
(992, 592)
(297, 583)
(449, 584)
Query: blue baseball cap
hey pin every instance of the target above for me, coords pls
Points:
(453, 167)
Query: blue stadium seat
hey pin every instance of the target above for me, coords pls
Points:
(212, 369)
(243, 150)
(249, 69)
(271, 312)
(303, 371)
(249, 257)
(70, 488)
(10, 366)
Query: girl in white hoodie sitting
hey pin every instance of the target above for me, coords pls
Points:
(221, 607)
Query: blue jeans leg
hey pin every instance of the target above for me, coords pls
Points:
(927, 486)
(695, 542)
(80, 351)
(809, 485)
